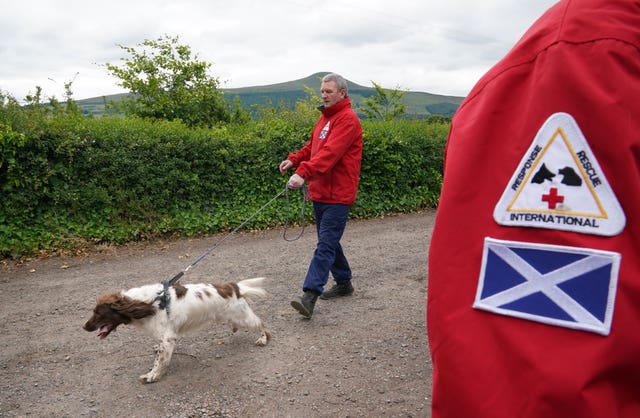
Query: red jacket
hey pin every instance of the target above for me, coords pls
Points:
(330, 160)
(522, 145)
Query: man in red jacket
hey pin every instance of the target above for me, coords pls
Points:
(534, 264)
(330, 163)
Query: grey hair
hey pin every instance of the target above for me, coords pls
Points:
(338, 79)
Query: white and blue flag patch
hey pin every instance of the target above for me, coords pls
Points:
(563, 286)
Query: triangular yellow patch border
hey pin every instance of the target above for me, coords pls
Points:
(560, 185)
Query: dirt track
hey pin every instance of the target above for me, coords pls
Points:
(360, 356)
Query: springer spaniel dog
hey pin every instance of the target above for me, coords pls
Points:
(166, 312)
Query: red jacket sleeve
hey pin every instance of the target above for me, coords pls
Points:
(516, 328)
(301, 155)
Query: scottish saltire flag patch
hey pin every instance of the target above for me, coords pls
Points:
(560, 185)
(563, 286)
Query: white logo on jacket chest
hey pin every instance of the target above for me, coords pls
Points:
(325, 131)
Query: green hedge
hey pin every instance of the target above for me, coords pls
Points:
(76, 180)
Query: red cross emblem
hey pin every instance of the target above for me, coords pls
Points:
(553, 198)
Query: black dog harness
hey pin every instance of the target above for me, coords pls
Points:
(163, 296)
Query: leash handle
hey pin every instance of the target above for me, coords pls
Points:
(302, 219)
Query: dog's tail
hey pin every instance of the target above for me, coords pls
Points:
(252, 287)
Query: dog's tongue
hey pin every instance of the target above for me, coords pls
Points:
(104, 331)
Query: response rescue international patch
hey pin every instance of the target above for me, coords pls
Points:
(560, 185)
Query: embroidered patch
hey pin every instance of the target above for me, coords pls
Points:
(560, 185)
(325, 131)
(563, 286)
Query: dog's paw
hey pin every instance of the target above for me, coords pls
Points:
(149, 378)
(262, 341)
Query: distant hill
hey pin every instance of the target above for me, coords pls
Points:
(418, 104)
(95, 105)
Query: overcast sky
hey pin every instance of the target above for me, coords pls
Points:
(440, 47)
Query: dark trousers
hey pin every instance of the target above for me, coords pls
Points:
(331, 219)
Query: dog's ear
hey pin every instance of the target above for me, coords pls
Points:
(134, 309)
(127, 307)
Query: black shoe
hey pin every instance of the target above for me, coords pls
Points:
(339, 289)
(305, 304)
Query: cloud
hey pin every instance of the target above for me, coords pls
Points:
(438, 47)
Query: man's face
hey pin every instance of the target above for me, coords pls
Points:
(331, 94)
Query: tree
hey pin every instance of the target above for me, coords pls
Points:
(239, 114)
(386, 104)
(70, 106)
(167, 82)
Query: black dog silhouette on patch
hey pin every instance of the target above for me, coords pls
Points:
(570, 178)
(542, 175)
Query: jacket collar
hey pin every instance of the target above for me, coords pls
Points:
(332, 110)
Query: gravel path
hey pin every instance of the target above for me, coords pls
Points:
(359, 356)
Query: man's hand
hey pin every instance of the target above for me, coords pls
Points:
(295, 182)
(284, 166)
